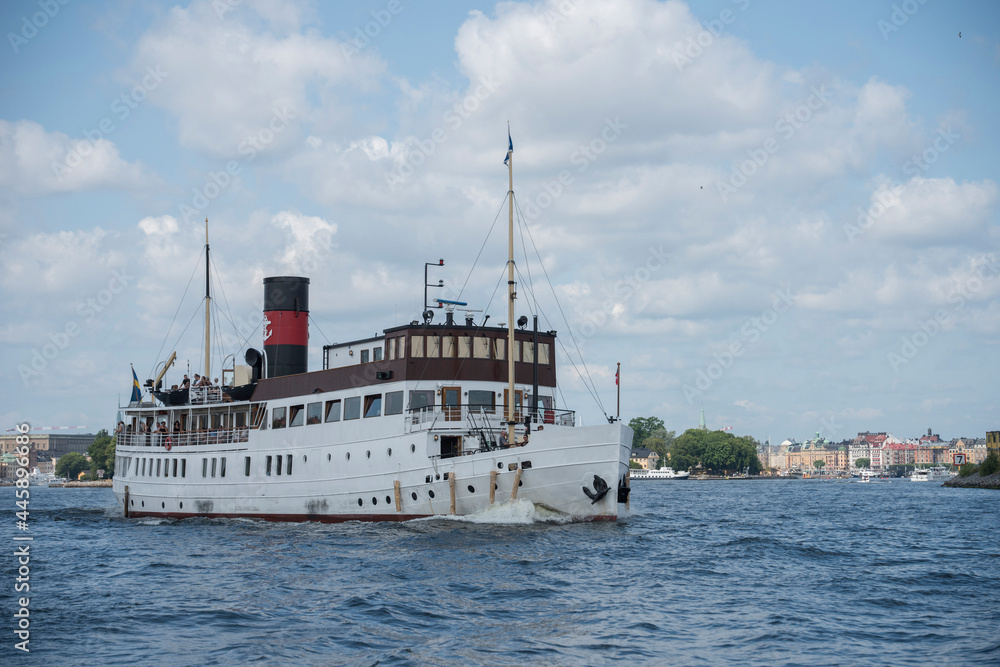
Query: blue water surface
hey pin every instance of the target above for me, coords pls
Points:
(793, 572)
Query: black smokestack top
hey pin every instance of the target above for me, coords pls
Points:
(286, 325)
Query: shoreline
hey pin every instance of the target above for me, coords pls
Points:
(81, 485)
(975, 481)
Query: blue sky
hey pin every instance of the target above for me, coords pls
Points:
(749, 286)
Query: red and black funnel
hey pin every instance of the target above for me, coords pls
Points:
(286, 325)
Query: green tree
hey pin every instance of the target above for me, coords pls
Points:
(862, 463)
(990, 464)
(642, 428)
(818, 464)
(715, 450)
(659, 441)
(71, 465)
(102, 454)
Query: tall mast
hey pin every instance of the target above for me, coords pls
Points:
(511, 293)
(208, 301)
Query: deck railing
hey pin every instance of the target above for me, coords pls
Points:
(478, 416)
(215, 436)
(205, 395)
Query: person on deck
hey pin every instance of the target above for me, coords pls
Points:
(186, 384)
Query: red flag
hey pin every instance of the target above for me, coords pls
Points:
(616, 376)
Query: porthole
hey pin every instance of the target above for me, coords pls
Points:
(182, 505)
(374, 501)
(348, 456)
(414, 495)
(437, 476)
(431, 493)
(500, 465)
(472, 489)
(143, 503)
(520, 482)
(163, 506)
(304, 458)
(329, 457)
(413, 449)
(132, 502)
(369, 453)
(389, 452)
(360, 503)
(388, 500)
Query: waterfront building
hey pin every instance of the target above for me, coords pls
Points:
(55, 444)
(993, 442)
(647, 459)
(931, 455)
(899, 454)
(973, 448)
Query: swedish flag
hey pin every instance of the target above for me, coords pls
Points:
(136, 390)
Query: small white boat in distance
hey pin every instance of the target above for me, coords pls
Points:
(662, 473)
(935, 474)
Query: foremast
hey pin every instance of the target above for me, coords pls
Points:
(208, 311)
(511, 292)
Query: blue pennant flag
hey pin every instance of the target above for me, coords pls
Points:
(136, 391)
(510, 147)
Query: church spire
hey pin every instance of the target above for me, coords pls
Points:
(701, 425)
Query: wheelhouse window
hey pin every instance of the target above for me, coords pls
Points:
(543, 353)
(278, 418)
(416, 346)
(297, 416)
(464, 347)
(500, 348)
(377, 354)
(421, 398)
(482, 400)
(394, 402)
(481, 347)
(314, 413)
(373, 405)
(528, 352)
(434, 346)
(333, 411)
(400, 347)
(352, 407)
(365, 356)
(517, 350)
(448, 346)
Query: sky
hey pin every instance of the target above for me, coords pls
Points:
(784, 212)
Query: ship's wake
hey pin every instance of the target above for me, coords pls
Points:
(514, 512)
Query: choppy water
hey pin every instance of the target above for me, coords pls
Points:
(789, 572)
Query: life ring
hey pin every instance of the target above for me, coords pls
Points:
(169, 443)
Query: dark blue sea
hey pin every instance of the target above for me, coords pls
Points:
(801, 572)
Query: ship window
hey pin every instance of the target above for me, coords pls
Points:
(481, 347)
(184, 467)
(143, 467)
(246, 466)
(377, 354)
(543, 353)
(278, 418)
(400, 347)
(204, 467)
(296, 415)
(313, 412)
(174, 469)
(499, 349)
(417, 346)
(352, 407)
(434, 346)
(517, 350)
(464, 347)
(214, 461)
(421, 398)
(216, 421)
(241, 419)
(288, 464)
(448, 346)
(373, 405)
(222, 467)
(482, 400)
(277, 464)
(394, 402)
(529, 352)
(158, 462)
(333, 411)
(267, 466)
(365, 356)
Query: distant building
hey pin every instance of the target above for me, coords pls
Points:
(993, 441)
(55, 444)
(645, 458)
(973, 448)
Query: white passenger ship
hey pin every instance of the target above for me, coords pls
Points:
(427, 419)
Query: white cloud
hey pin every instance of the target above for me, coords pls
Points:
(933, 211)
(35, 162)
